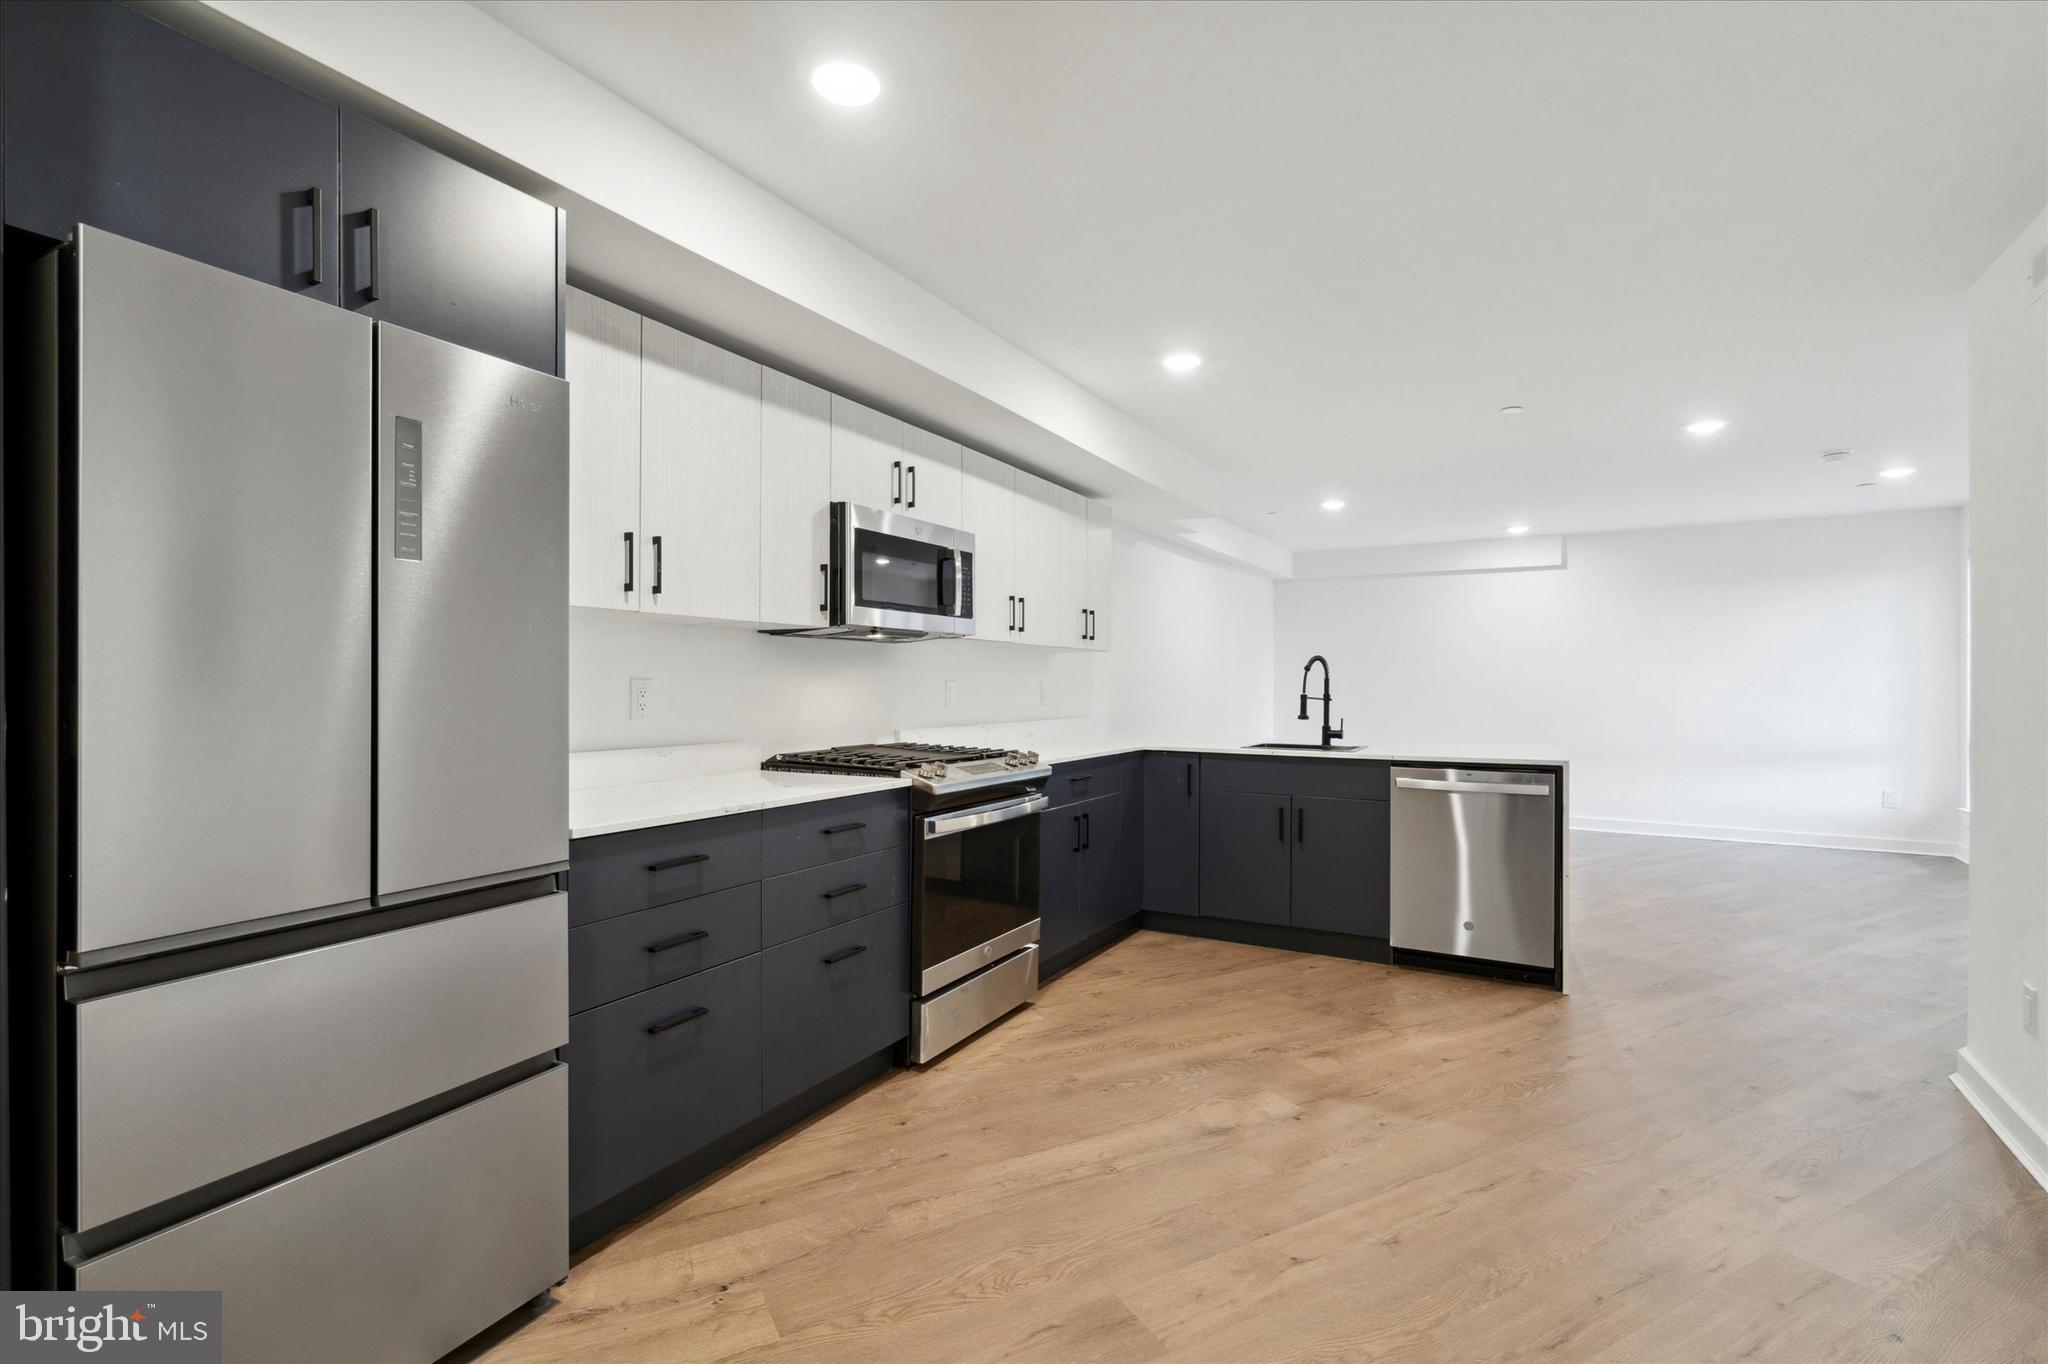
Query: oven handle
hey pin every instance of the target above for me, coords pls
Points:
(939, 826)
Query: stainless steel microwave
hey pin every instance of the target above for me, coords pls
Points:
(894, 579)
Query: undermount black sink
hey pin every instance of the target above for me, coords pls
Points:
(1313, 748)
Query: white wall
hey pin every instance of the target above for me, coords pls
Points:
(1191, 651)
(1765, 680)
(2002, 1069)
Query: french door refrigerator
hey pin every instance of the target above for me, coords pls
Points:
(296, 596)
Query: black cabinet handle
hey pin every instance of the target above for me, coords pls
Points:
(1082, 780)
(1281, 811)
(1087, 831)
(1191, 780)
(1077, 833)
(675, 862)
(845, 828)
(686, 1016)
(656, 542)
(825, 588)
(843, 953)
(316, 200)
(845, 890)
(685, 940)
(896, 489)
(629, 561)
(1013, 610)
(375, 290)
(1023, 616)
(1297, 824)
(911, 476)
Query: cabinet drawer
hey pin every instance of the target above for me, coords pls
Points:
(836, 893)
(1085, 780)
(659, 1074)
(618, 873)
(183, 1083)
(618, 957)
(831, 998)
(401, 1250)
(1340, 778)
(799, 836)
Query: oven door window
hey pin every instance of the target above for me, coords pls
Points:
(894, 574)
(978, 884)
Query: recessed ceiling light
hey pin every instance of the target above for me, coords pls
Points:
(1705, 426)
(1511, 409)
(1518, 530)
(1181, 361)
(847, 83)
(1333, 504)
(1899, 471)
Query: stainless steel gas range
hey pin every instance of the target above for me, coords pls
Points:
(974, 926)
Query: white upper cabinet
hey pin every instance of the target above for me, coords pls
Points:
(700, 477)
(988, 512)
(1036, 551)
(1073, 565)
(796, 490)
(602, 355)
(931, 477)
(1096, 602)
(867, 456)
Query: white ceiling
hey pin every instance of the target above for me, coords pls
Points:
(1381, 222)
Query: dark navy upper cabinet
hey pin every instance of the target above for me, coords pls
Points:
(1340, 865)
(1172, 844)
(439, 248)
(1247, 842)
(116, 121)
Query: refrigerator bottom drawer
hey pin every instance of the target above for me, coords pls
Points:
(399, 1251)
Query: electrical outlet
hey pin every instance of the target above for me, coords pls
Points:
(1888, 799)
(642, 698)
(952, 692)
(2030, 1010)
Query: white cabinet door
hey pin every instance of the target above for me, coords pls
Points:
(931, 477)
(796, 495)
(700, 477)
(1096, 600)
(1036, 551)
(602, 360)
(1073, 565)
(988, 512)
(867, 456)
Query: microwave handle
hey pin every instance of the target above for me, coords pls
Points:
(949, 581)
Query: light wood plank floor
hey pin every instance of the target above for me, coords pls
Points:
(1736, 1139)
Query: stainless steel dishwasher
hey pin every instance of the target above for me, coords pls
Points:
(1474, 864)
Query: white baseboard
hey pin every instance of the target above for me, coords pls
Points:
(2021, 1135)
(1852, 842)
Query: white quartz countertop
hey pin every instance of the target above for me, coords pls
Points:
(621, 790)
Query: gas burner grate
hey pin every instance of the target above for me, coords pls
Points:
(875, 760)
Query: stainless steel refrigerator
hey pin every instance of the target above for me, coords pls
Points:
(296, 596)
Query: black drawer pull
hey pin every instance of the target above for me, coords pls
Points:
(1191, 779)
(675, 862)
(686, 1016)
(685, 940)
(1281, 811)
(629, 561)
(1082, 780)
(846, 828)
(843, 953)
(845, 890)
(315, 200)
(1299, 836)
(1087, 831)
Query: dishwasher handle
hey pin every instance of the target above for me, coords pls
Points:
(1483, 788)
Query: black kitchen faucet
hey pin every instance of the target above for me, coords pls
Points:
(1328, 732)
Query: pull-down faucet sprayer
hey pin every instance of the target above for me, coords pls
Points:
(1329, 733)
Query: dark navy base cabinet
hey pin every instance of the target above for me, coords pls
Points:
(1340, 866)
(1171, 861)
(1246, 853)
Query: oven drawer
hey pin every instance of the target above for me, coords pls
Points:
(798, 836)
(831, 998)
(187, 1082)
(618, 957)
(616, 874)
(836, 893)
(401, 1250)
(659, 1074)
